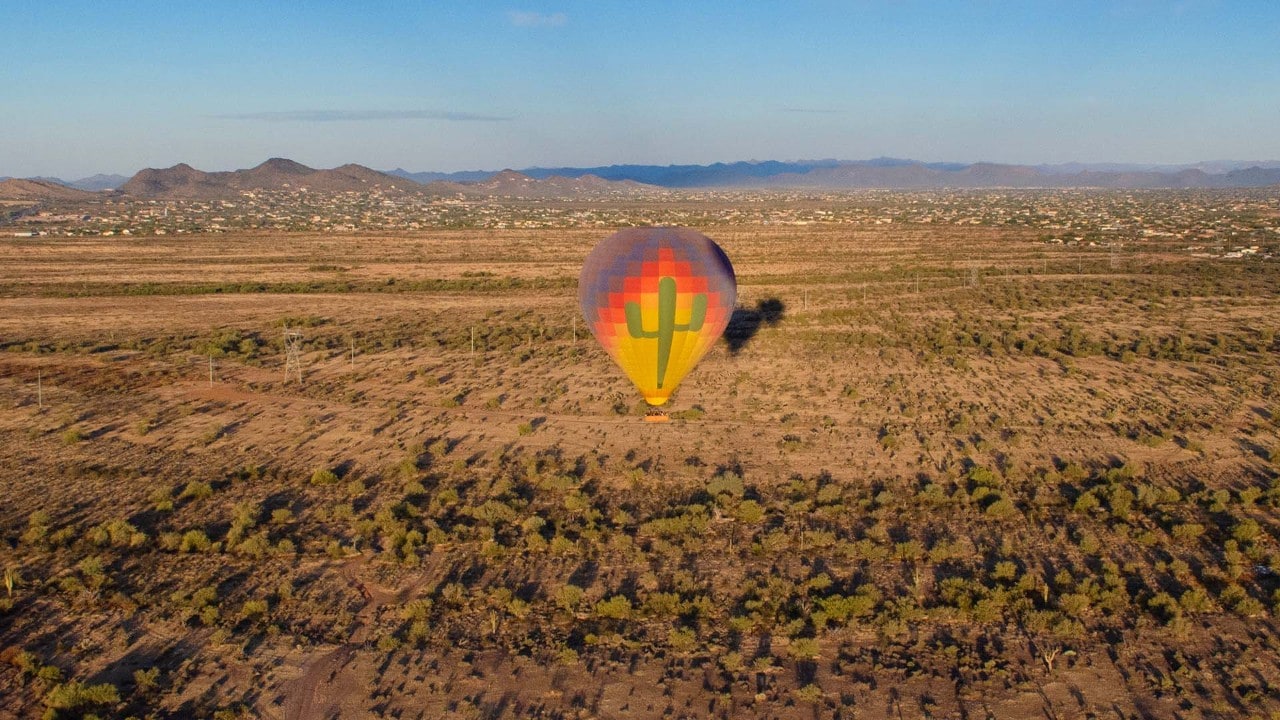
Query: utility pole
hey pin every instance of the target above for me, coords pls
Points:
(210, 369)
(292, 353)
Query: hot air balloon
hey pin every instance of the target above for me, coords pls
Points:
(657, 299)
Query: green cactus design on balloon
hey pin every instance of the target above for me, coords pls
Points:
(666, 321)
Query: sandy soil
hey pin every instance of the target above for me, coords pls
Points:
(107, 409)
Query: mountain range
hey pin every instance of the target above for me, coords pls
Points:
(30, 189)
(898, 173)
(93, 183)
(184, 181)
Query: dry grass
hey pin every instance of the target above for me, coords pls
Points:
(1044, 487)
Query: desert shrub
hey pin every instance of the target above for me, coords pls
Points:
(208, 615)
(1196, 600)
(725, 483)
(682, 640)
(255, 546)
(804, 649)
(414, 610)
(117, 533)
(569, 596)
(1246, 530)
(1187, 532)
(163, 500)
(324, 476)
(842, 609)
(1005, 570)
(76, 695)
(37, 531)
(1087, 501)
(809, 693)
(1239, 600)
(749, 512)
(146, 681)
(662, 605)
(197, 490)
(617, 607)
(1001, 509)
(194, 541)
(253, 608)
(418, 632)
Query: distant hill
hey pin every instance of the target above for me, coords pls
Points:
(17, 189)
(1212, 167)
(509, 183)
(94, 183)
(689, 176)
(184, 181)
(430, 177)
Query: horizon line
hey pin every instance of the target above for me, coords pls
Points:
(1133, 166)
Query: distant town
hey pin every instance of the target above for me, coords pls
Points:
(1228, 223)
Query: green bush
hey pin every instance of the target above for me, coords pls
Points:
(804, 649)
(617, 607)
(76, 695)
(194, 541)
(197, 490)
(324, 476)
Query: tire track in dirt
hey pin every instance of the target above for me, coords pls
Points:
(318, 692)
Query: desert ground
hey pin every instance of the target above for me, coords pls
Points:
(934, 471)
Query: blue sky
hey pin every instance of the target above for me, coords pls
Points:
(116, 86)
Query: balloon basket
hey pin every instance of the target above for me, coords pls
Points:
(656, 416)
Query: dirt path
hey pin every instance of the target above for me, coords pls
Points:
(326, 682)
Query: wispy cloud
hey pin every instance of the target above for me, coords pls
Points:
(521, 18)
(363, 116)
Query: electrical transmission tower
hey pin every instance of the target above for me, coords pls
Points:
(292, 354)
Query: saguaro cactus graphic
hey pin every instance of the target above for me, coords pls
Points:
(667, 326)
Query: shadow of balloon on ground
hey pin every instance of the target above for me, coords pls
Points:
(746, 322)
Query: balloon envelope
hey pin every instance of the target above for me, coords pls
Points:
(657, 299)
